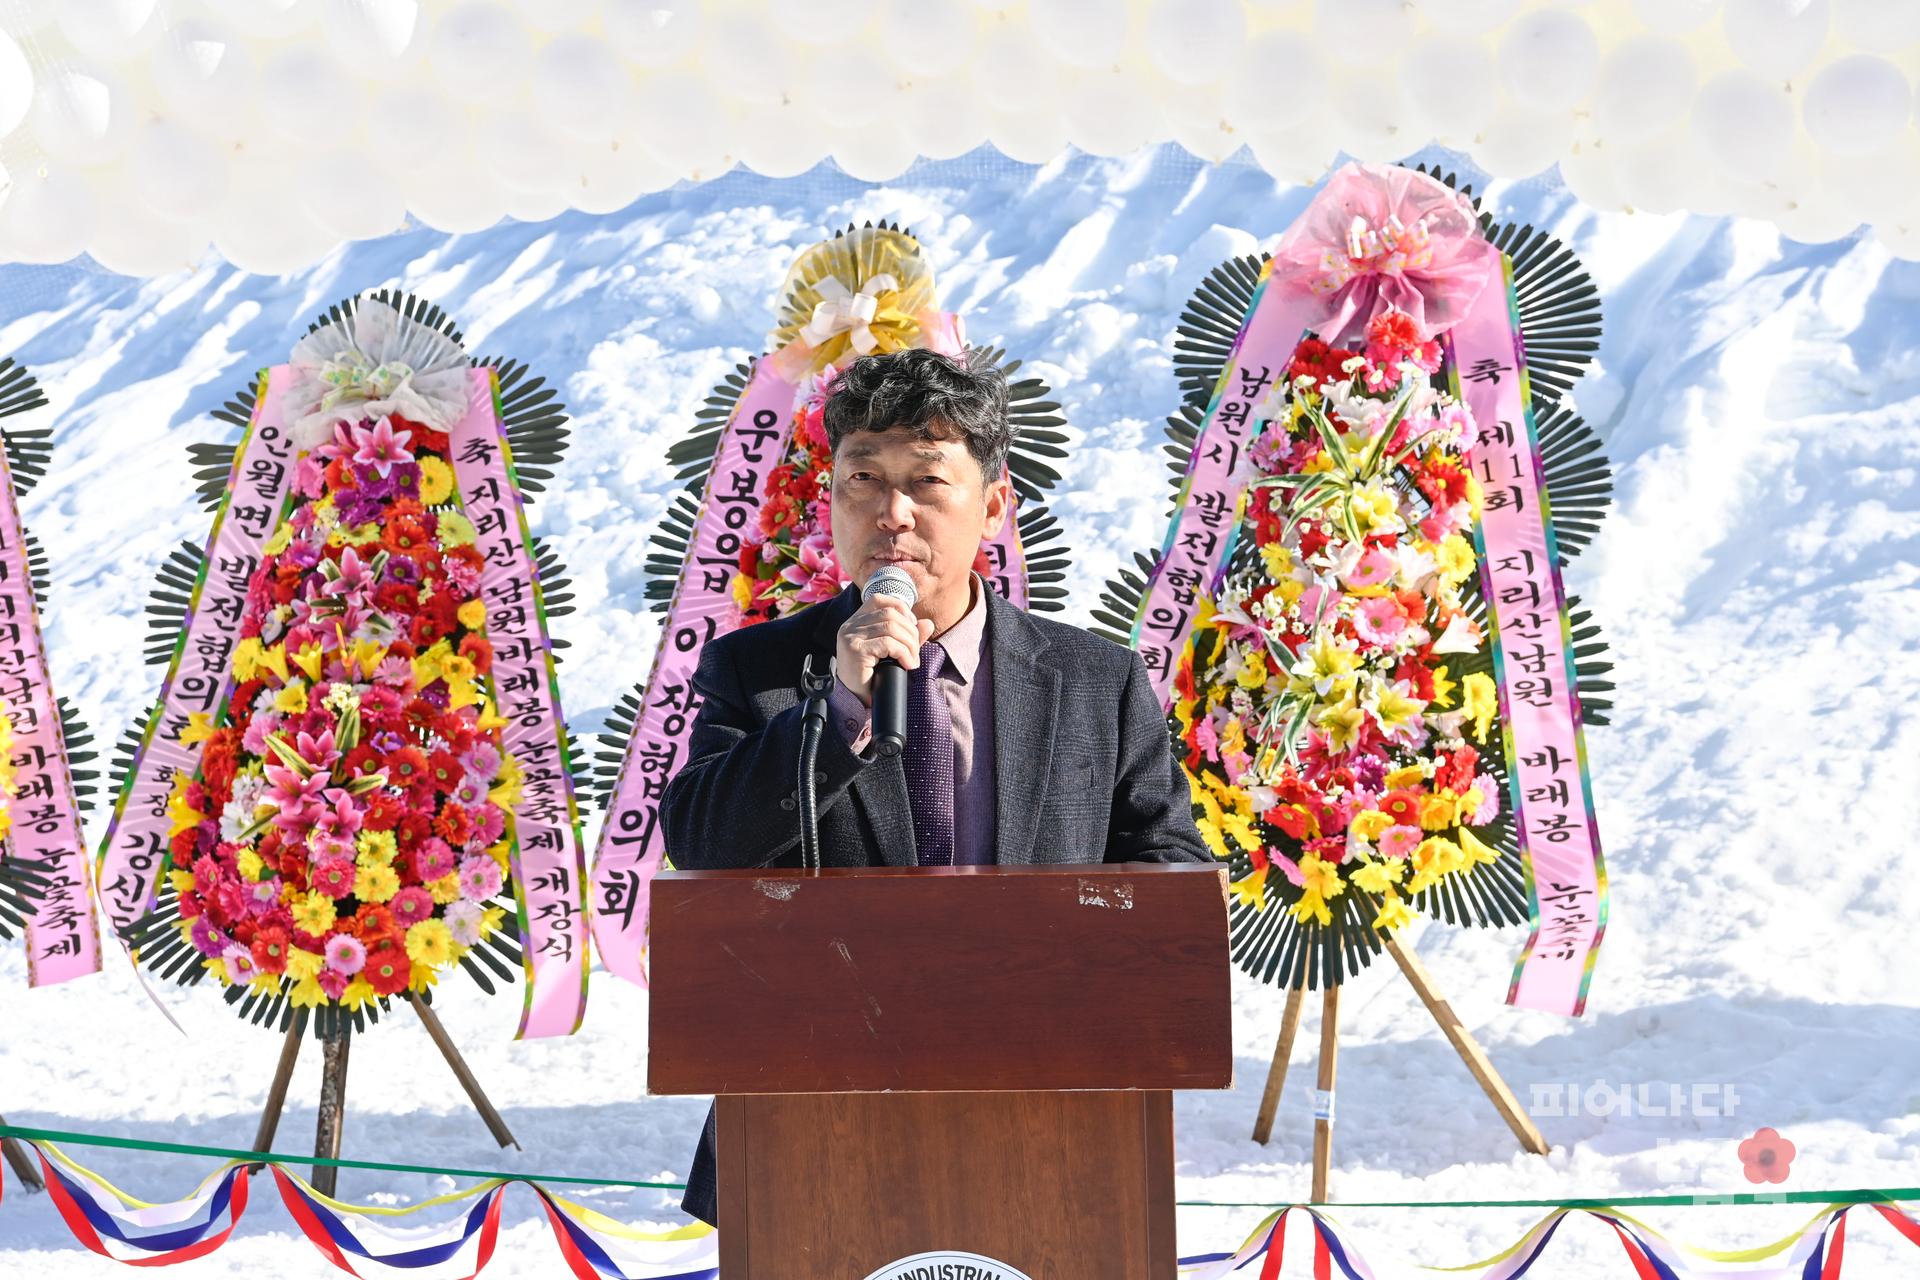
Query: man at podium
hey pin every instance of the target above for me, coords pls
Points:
(1027, 740)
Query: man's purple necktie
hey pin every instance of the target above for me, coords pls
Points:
(928, 758)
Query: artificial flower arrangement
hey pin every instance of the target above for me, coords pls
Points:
(9, 783)
(1331, 740)
(346, 834)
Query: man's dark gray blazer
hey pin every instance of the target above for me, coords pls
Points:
(1084, 770)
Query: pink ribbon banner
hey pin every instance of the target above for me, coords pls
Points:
(199, 678)
(632, 846)
(549, 857)
(62, 939)
(1527, 625)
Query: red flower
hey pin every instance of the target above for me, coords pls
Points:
(1402, 806)
(387, 969)
(454, 825)
(424, 631)
(415, 825)
(406, 767)
(1293, 820)
(396, 597)
(1766, 1157)
(401, 649)
(372, 923)
(270, 949)
(1456, 770)
(425, 439)
(444, 771)
(479, 652)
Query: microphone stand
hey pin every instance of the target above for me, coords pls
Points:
(813, 723)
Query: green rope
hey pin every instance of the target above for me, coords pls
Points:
(1858, 1196)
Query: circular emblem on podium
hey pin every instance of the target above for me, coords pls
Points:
(948, 1264)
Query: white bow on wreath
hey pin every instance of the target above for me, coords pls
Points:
(374, 363)
(841, 310)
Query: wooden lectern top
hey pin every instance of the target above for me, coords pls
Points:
(940, 979)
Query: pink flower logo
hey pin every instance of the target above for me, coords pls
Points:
(1766, 1156)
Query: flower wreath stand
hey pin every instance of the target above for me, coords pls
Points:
(1373, 674)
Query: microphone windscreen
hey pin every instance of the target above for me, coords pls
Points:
(890, 580)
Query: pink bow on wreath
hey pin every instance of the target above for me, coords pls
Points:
(1379, 236)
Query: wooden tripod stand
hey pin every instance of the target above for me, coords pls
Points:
(22, 1164)
(333, 1090)
(1463, 1044)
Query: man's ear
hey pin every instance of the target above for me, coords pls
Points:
(999, 504)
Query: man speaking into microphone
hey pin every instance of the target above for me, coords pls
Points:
(1025, 740)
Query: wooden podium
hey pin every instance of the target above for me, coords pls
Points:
(974, 1059)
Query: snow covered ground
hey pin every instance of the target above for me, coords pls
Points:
(1757, 580)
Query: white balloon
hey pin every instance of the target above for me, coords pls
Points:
(556, 16)
(1011, 73)
(877, 152)
(1275, 81)
(453, 191)
(927, 37)
(747, 62)
(299, 87)
(1813, 217)
(1088, 34)
(178, 173)
(524, 155)
(1857, 105)
(683, 123)
(1468, 17)
(108, 30)
(1880, 26)
(1655, 175)
(376, 39)
(822, 22)
(1902, 239)
(580, 90)
(1675, 17)
(1370, 125)
(1587, 170)
(81, 114)
(1185, 38)
(132, 245)
(16, 85)
(204, 72)
(536, 206)
(269, 18)
(409, 124)
(941, 119)
(1646, 84)
(1030, 137)
(1109, 113)
(1775, 37)
(27, 16)
(46, 218)
(1549, 59)
(780, 141)
(611, 177)
(1299, 157)
(1879, 188)
(345, 199)
(1361, 33)
(652, 33)
(477, 43)
(258, 229)
(1449, 83)
(846, 85)
(1746, 122)
(1520, 141)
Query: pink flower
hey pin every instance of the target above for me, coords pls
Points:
(463, 922)
(333, 982)
(380, 448)
(333, 876)
(297, 798)
(433, 859)
(483, 760)
(337, 820)
(489, 824)
(317, 751)
(1379, 620)
(1376, 569)
(240, 966)
(346, 954)
(411, 905)
(206, 875)
(1400, 841)
(479, 878)
(310, 478)
(396, 673)
(1490, 803)
(817, 573)
(356, 577)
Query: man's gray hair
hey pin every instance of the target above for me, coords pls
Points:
(934, 396)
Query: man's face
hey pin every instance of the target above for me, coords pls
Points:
(919, 504)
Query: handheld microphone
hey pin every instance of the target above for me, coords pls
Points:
(889, 677)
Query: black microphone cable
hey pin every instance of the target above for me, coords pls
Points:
(813, 723)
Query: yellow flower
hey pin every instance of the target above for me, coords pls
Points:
(1277, 559)
(1374, 508)
(1477, 850)
(1469, 804)
(489, 718)
(1290, 590)
(377, 847)
(1442, 689)
(314, 914)
(182, 882)
(274, 660)
(1329, 664)
(1369, 823)
(1378, 877)
(1311, 907)
(367, 655)
(1394, 914)
(446, 889)
(501, 851)
(1393, 709)
(426, 666)
(424, 977)
(1254, 673)
(360, 535)
(490, 921)
(302, 964)
(199, 728)
(1318, 463)
(358, 992)
(1482, 703)
(246, 658)
(282, 539)
(1233, 739)
(456, 530)
(430, 943)
(1251, 890)
(181, 816)
(1454, 558)
(436, 481)
(1342, 721)
(306, 994)
(375, 882)
(1434, 858)
(250, 864)
(1400, 779)
(1241, 829)
(1436, 811)
(473, 614)
(1322, 877)
(309, 659)
(292, 699)
(1210, 833)
(742, 587)
(457, 666)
